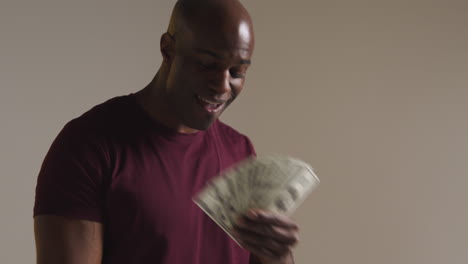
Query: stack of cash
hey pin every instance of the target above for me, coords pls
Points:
(273, 183)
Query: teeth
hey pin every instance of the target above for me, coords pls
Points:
(208, 101)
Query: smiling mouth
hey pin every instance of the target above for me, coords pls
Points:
(210, 105)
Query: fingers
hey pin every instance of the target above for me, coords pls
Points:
(266, 234)
(271, 218)
(263, 245)
(266, 252)
(280, 233)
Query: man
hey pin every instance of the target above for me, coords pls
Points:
(117, 184)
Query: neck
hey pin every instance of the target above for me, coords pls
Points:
(153, 100)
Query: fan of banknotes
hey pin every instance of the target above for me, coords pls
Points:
(274, 183)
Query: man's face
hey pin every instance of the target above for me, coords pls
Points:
(207, 73)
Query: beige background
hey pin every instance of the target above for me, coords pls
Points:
(374, 94)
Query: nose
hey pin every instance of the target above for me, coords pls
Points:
(221, 83)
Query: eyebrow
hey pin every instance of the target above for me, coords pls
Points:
(216, 55)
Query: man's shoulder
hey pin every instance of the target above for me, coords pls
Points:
(234, 139)
(229, 131)
(101, 120)
(108, 110)
(104, 114)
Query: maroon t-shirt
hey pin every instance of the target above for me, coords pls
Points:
(117, 166)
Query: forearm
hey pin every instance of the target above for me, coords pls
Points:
(66, 241)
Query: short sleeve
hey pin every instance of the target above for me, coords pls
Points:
(72, 177)
(250, 147)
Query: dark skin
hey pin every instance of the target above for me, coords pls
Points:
(270, 237)
(206, 53)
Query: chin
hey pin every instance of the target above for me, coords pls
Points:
(201, 121)
(205, 125)
(202, 124)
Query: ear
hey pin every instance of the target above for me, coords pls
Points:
(167, 46)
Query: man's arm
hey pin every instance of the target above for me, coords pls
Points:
(61, 240)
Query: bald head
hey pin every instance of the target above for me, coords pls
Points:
(206, 51)
(218, 18)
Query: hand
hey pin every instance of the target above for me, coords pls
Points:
(269, 236)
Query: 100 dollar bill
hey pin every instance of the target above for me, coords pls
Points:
(274, 183)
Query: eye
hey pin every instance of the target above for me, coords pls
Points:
(237, 74)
